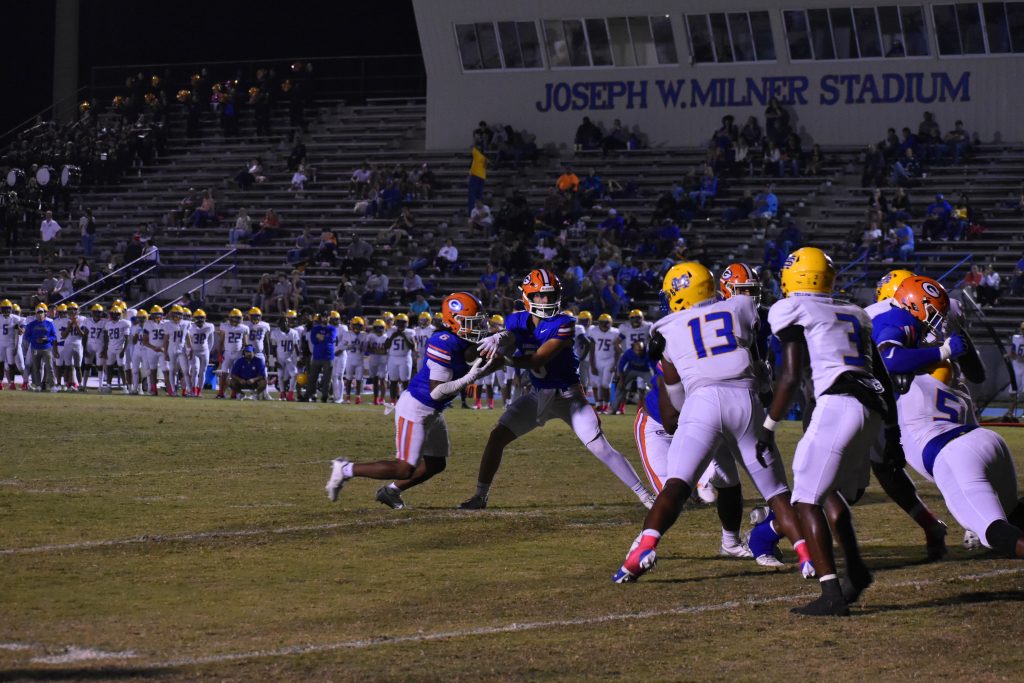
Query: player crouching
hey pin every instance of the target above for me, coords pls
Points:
(421, 433)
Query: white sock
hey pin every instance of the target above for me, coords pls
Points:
(614, 461)
(393, 488)
(730, 538)
(346, 470)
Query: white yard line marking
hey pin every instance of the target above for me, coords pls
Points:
(15, 647)
(81, 654)
(515, 627)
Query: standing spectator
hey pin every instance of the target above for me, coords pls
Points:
(49, 233)
(242, 230)
(299, 289)
(613, 297)
(617, 138)
(988, 290)
(280, 295)
(588, 136)
(87, 227)
(1017, 282)
(48, 288)
(957, 142)
(80, 274)
(347, 300)
(872, 167)
(477, 177)
(447, 256)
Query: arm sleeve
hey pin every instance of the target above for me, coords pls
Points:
(902, 360)
(438, 372)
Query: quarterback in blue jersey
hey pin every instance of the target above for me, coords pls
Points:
(421, 434)
(542, 340)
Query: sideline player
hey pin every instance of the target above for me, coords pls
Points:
(583, 347)
(852, 397)
(421, 434)
(1017, 361)
(498, 378)
(137, 364)
(604, 356)
(354, 341)
(634, 368)
(543, 340)
(231, 338)
(154, 339)
(94, 328)
(285, 341)
(377, 363)
(401, 355)
(116, 335)
(710, 358)
(421, 333)
(176, 352)
(340, 361)
(637, 330)
(201, 338)
(971, 466)
(72, 336)
(259, 330)
(10, 342)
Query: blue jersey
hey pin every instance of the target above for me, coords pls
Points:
(631, 362)
(249, 368)
(444, 348)
(896, 326)
(322, 338)
(562, 371)
(651, 399)
(41, 334)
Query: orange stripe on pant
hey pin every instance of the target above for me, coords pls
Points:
(408, 438)
(398, 438)
(639, 427)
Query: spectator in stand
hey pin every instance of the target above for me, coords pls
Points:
(792, 156)
(242, 230)
(347, 301)
(588, 297)
(900, 206)
(907, 171)
(909, 141)
(871, 240)
(877, 202)
(973, 280)
(872, 167)
(299, 179)
(49, 236)
(420, 305)
(477, 177)
(776, 122)
(613, 226)
(890, 146)
(568, 182)
(80, 274)
(774, 257)
(360, 252)
(412, 284)
(327, 249)
(425, 182)
(298, 154)
(751, 133)
(770, 289)
(87, 228)
(613, 297)
(816, 160)
(988, 290)
(447, 256)
(305, 247)
(588, 136)
(252, 174)
(957, 142)
(708, 188)
(483, 136)
(300, 291)
(376, 288)
(743, 208)
(628, 276)
(591, 189)
(936, 222)
(206, 213)
(487, 285)
(481, 219)
(961, 218)
(546, 251)
(270, 229)
(1017, 282)
(264, 292)
(929, 139)
(791, 238)
(904, 240)
(280, 296)
(766, 205)
(360, 181)
(617, 138)
(49, 288)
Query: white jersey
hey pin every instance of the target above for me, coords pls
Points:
(201, 337)
(117, 335)
(629, 334)
(421, 335)
(376, 345)
(94, 332)
(176, 334)
(64, 335)
(136, 334)
(838, 335)
(876, 309)
(711, 344)
(1017, 348)
(9, 326)
(604, 344)
(402, 344)
(286, 343)
(354, 342)
(258, 335)
(157, 333)
(928, 410)
(234, 338)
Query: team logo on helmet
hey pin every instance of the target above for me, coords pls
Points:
(681, 282)
(526, 280)
(930, 289)
(790, 260)
(455, 305)
(727, 273)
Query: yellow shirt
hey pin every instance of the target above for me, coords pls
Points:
(479, 165)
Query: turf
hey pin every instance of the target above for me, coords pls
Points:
(175, 539)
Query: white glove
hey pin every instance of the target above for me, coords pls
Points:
(489, 346)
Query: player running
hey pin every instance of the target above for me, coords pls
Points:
(421, 434)
(542, 339)
(604, 355)
(401, 355)
(710, 358)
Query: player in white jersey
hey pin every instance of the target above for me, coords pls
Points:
(72, 338)
(401, 355)
(377, 365)
(154, 342)
(94, 327)
(10, 342)
(201, 335)
(853, 396)
(971, 466)
(497, 379)
(582, 346)
(421, 333)
(259, 330)
(894, 480)
(231, 337)
(1017, 360)
(176, 352)
(637, 330)
(604, 356)
(116, 335)
(354, 341)
(710, 357)
(137, 356)
(285, 341)
(340, 357)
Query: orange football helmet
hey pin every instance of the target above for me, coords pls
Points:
(541, 281)
(739, 278)
(925, 299)
(463, 314)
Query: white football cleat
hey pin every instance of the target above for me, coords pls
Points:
(738, 550)
(769, 561)
(337, 479)
(647, 499)
(971, 540)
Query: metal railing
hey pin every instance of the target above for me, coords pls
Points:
(151, 297)
(952, 270)
(122, 284)
(75, 294)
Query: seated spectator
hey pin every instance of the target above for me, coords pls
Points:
(252, 174)
(907, 171)
(299, 179)
(588, 136)
(270, 229)
(481, 219)
(487, 285)
(49, 288)
(890, 146)
(972, 281)
(613, 226)
(206, 213)
(546, 250)
(617, 138)
(791, 239)
(242, 230)
(591, 188)
(588, 297)
(483, 136)
(909, 141)
(447, 256)
(264, 291)
(816, 160)
(957, 142)
(961, 218)
(359, 182)
(425, 182)
(613, 297)
(1017, 282)
(568, 181)
(376, 288)
(420, 305)
(871, 240)
(900, 206)
(347, 301)
(772, 161)
(988, 290)
(305, 247)
(792, 156)
(628, 276)
(300, 291)
(327, 249)
(904, 240)
(280, 295)
(929, 139)
(766, 205)
(298, 154)
(742, 209)
(872, 167)
(774, 257)
(360, 251)
(936, 222)
(80, 274)
(412, 284)
(751, 133)
(707, 190)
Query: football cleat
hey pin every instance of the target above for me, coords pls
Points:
(853, 587)
(638, 563)
(935, 539)
(769, 560)
(474, 503)
(393, 499)
(824, 607)
(647, 499)
(971, 540)
(337, 479)
(738, 550)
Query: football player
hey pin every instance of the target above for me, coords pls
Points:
(634, 368)
(542, 338)
(497, 378)
(710, 358)
(259, 330)
(583, 347)
(137, 362)
(971, 466)
(94, 327)
(638, 329)
(340, 361)
(606, 348)
(354, 341)
(852, 398)
(389, 320)
(401, 355)
(176, 351)
(116, 334)
(285, 341)
(10, 342)
(231, 338)
(421, 434)
(72, 338)
(201, 339)
(154, 340)
(421, 333)
(1017, 360)
(377, 365)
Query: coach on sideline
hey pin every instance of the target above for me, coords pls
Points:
(248, 372)
(41, 336)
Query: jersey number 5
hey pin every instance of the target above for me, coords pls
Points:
(949, 405)
(724, 331)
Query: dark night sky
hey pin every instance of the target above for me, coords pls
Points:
(133, 32)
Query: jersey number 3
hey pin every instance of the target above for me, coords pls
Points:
(724, 324)
(856, 339)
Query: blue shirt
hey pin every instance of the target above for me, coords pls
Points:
(249, 368)
(322, 339)
(907, 233)
(41, 334)
(562, 371)
(444, 349)
(629, 361)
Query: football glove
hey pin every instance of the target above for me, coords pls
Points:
(765, 445)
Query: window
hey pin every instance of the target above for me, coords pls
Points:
(664, 40)
(730, 37)
(600, 47)
(622, 47)
(855, 33)
(616, 41)
(973, 28)
(519, 44)
(507, 44)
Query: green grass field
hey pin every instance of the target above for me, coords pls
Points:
(170, 539)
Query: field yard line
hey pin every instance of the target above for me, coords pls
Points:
(530, 625)
(242, 533)
(16, 482)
